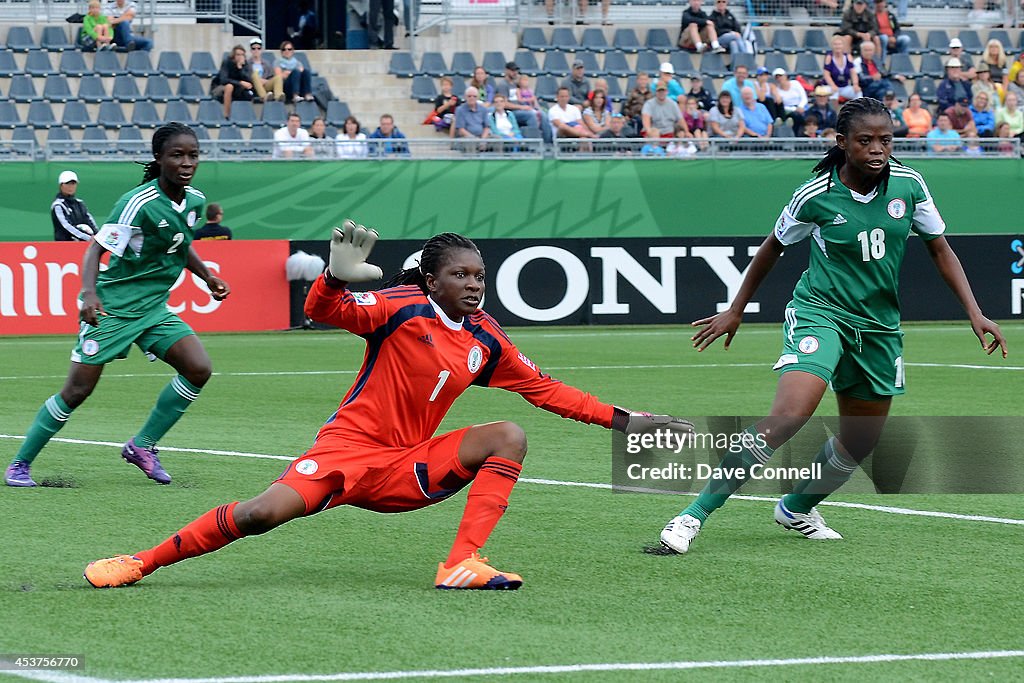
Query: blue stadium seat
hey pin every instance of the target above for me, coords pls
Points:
(932, 65)
(527, 63)
(125, 89)
(171, 64)
(709, 85)
(275, 114)
(111, 115)
(26, 134)
(243, 114)
(1002, 36)
(682, 63)
(201, 64)
(9, 117)
(23, 89)
(262, 139)
(775, 60)
(59, 134)
(744, 59)
(593, 39)
(307, 111)
(564, 39)
(190, 88)
(92, 90)
(783, 131)
(458, 88)
(938, 41)
(784, 41)
(531, 133)
(625, 39)
(72, 63)
(494, 63)
(94, 141)
(815, 41)
(158, 89)
(615, 64)
(231, 135)
(19, 39)
(615, 90)
(40, 115)
(179, 111)
(38, 64)
(901, 65)
(144, 115)
(55, 39)
(337, 112)
(402, 66)
(75, 115)
(423, 89)
(139, 63)
(648, 61)
(808, 65)
(971, 41)
(432, 64)
(712, 64)
(591, 67)
(555, 64)
(658, 40)
(211, 114)
(57, 89)
(534, 39)
(108, 64)
(8, 66)
(130, 141)
(925, 87)
(202, 133)
(463, 64)
(914, 47)
(546, 88)
(900, 90)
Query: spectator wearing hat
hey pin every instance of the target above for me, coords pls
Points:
(508, 87)
(763, 90)
(956, 51)
(943, 139)
(983, 83)
(790, 99)
(578, 85)
(895, 109)
(71, 219)
(890, 38)
(984, 119)
(660, 115)
(265, 83)
(729, 29)
(121, 13)
(858, 25)
(954, 86)
(874, 82)
(961, 119)
(213, 230)
(917, 118)
(739, 80)
(697, 90)
(822, 109)
(667, 77)
(757, 120)
(697, 31)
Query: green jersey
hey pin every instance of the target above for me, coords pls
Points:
(148, 237)
(859, 243)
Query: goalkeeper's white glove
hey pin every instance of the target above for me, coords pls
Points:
(351, 245)
(86, 228)
(632, 422)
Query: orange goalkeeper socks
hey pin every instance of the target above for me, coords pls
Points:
(212, 531)
(486, 503)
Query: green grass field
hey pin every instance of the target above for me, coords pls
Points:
(350, 591)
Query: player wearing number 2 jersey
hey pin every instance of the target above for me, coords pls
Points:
(426, 343)
(148, 237)
(842, 327)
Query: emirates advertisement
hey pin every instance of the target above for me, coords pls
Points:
(40, 283)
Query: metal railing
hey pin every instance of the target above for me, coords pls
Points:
(249, 14)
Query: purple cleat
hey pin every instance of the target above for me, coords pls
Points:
(146, 460)
(17, 474)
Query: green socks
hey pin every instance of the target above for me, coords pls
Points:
(836, 469)
(176, 397)
(717, 491)
(49, 420)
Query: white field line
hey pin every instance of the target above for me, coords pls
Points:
(62, 677)
(574, 484)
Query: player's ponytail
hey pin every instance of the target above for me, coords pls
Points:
(432, 259)
(164, 133)
(835, 157)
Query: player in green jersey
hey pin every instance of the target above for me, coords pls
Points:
(842, 326)
(149, 237)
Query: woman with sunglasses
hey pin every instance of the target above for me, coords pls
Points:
(297, 83)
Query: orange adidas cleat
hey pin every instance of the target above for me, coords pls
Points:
(474, 573)
(120, 570)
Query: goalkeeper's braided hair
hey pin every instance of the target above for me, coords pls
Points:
(164, 133)
(836, 156)
(432, 259)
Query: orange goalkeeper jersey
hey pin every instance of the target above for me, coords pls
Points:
(418, 361)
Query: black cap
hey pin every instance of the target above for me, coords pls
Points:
(512, 65)
(964, 101)
(890, 93)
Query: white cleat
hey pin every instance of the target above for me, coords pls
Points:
(812, 525)
(680, 532)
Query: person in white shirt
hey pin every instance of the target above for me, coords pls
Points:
(567, 119)
(790, 98)
(351, 143)
(292, 140)
(120, 13)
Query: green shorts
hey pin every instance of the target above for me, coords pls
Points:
(863, 364)
(154, 333)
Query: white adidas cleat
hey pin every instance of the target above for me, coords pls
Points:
(680, 532)
(812, 525)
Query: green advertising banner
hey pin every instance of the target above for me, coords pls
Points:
(504, 199)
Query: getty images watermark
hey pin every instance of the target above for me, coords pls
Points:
(912, 455)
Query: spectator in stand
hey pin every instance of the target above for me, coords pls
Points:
(293, 140)
(305, 35)
(1016, 67)
(697, 90)
(724, 120)
(984, 119)
(297, 82)
(381, 9)
(71, 219)
(482, 83)
(234, 81)
(756, 119)
(549, 5)
(213, 230)
(121, 13)
(323, 147)
(1010, 114)
(694, 118)
(739, 80)
(954, 86)
(596, 116)
(445, 104)
(527, 98)
(660, 115)
(790, 99)
(874, 81)
(697, 31)
(667, 77)
(634, 104)
(471, 117)
(943, 139)
(983, 83)
(890, 38)
(810, 127)
(1017, 87)
(961, 120)
(601, 84)
(502, 122)
(822, 108)
(729, 30)
(858, 25)
(566, 119)
(266, 84)
(351, 141)
(1004, 148)
(956, 51)
(95, 33)
(387, 130)
(893, 106)
(763, 90)
(578, 85)
(917, 118)
(840, 72)
(508, 87)
(682, 146)
(616, 132)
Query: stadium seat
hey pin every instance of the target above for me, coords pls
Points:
(937, 41)
(615, 90)
(307, 111)
(546, 88)
(233, 139)
(158, 89)
(94, 141)
(8, 66)
(555, 64)
(649, 61)
(900, 90)
(107, 64)
(401, 65)
(625, 39)
(75, 115)
(72, 63)
(463, 64)
(744, 59)
(19, 39)
(458, 88)
(125, 89)
(808, 65)
(783, 131)
(23, 89)
(682, 63)
(900, 65)
(658, 40)
(971, 41)
(593, 39)
(139, 63)
(144, 115)
(243, 114)
(211, 114)
(201, 64)
(55, 39)
(709, 85)
(1002, 36)
(262, 139)
(615, 64)
(784, 41)
(925, 87)
(527, 63)
(9, 115)
(591, 67)
(130, 141)
(494, 63)
(423, 89)
(534, 39)
(337, 112)
(91, 89)
(757, 36)
(304, 60)
(59, 134)
(179, 111)
(170, 64)
(914, 47)
(40, 115)
(275, 114)
(815, 41)
(775, 60)
(531, 133)
(191, 89)
(38, 64)
(111, 115)
(57, 89)
(26, 134)
(712, 64)
(432, 64)
(202, 133)
(564, 39)
(932, 65)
